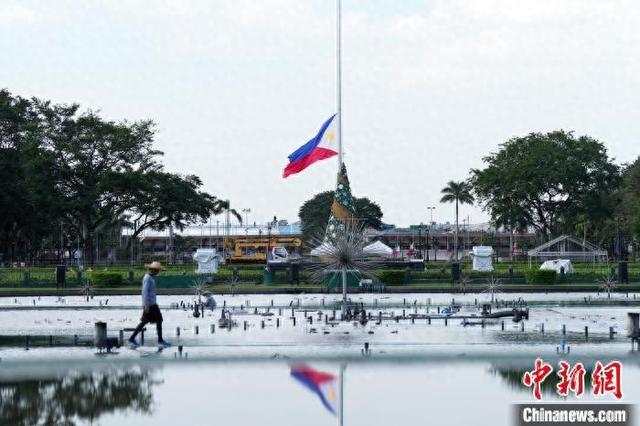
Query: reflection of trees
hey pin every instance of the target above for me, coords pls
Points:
(76, 398)
(513, 378)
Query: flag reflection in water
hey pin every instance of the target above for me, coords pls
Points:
(321, 383)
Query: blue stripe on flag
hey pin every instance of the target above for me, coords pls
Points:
(306, 149)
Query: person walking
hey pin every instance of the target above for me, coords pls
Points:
(150, 310)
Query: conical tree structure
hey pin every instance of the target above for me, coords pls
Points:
(343, 208)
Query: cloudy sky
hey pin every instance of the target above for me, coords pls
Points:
(429, 86)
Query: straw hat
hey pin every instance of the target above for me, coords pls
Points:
(155, 265)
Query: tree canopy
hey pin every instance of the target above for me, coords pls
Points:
(314, 214)
(547, 181)
(67, 175)
(630, 198)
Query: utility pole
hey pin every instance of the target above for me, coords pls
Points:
(421, 247)
(429, 233)
(246, 216)
(431, 209)
(268, 242)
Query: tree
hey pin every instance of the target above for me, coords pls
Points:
(459, 193)
(73, 399)
(29, 199)
(314, 214)
(512, 218)
(630, 198)
(101, 165)
(165, 200)
(69, 175)
(548, 180)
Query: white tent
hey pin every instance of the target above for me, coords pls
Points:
(557, 265)
(378, 248)
(322, 250)
(482, 258)
(207, 260)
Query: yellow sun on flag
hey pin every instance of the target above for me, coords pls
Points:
(331, 394)
(330, 136)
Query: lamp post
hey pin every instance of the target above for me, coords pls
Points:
(268, 243)
(135, 227)
(421, 246)
(431, 209)
(428, 234)
(217, 236)
(246, 216)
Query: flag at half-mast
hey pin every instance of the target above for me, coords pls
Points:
(321, 146)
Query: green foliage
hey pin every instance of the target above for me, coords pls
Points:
(392, 276)
(630, 199)
(547, 181)
(314, 214)
(74, 173)
(541, 276)
(163, 199)
(458, 192)
(107, 279)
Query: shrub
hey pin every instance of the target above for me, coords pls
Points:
(541, 276)
(103, 279)
(392, 277)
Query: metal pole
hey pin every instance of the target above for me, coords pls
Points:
(268, 243)
(344, 290)
(63, 260)
(341, 393)
(339, 80)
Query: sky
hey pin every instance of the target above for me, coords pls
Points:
(429, 86)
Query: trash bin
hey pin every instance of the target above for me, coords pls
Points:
(61, 275)
(623, 272)
(295, 273)
(407, 275)
(268, 276)
(100, 335)
(455, 271)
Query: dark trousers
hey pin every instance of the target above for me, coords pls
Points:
(153, 316)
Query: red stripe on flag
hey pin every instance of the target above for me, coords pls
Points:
(316, 155)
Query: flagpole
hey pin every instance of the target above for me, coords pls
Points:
(339, 79)
(341, 394)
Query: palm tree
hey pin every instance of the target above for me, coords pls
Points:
(223, 206)
(460, 193)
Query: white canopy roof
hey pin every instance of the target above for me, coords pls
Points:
(378, 248)
(482, 251)
(204, 255)
(322, 249)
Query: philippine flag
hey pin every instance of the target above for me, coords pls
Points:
(323, 145)
(322, 384)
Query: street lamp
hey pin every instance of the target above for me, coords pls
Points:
(421, 246)
(268, 242)
(246, 216)
(431, 209)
